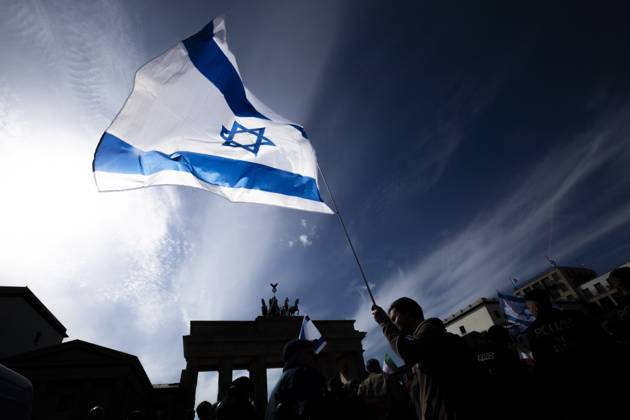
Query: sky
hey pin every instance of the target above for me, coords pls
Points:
(463, 142)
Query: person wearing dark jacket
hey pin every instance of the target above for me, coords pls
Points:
(237, 404)
(299, 394)
(384, 395)
(444, 367)
(572, 360)
(373, 391)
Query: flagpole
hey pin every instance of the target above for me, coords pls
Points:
(345, 230)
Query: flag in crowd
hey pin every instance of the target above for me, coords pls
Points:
(191, 121)
(515, 310)
(389, 366)
(308, 331)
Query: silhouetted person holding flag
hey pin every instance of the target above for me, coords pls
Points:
(443, 366)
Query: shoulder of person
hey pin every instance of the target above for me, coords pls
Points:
(429, 327)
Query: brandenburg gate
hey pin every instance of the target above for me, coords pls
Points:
(256, 346)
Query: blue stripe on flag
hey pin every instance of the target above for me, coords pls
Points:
(300, 129)
(517, 320)
(208, 58)
(319, 344)
(516, 299)
(115, 155)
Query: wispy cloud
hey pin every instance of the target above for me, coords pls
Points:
(512, 238)
(306, 238)
(305, 241)
(125, 270)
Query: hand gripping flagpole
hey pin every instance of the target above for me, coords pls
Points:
(345, 230)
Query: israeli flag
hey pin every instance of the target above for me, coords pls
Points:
(516, 311)
(190, 121)
(309, 331)
(389, 366)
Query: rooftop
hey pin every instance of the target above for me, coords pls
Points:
(26, 294)
(550, 270)
(54, 355)
(603, 276)
(476, 304)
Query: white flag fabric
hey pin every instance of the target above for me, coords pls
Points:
(309, 331)
(389, 366)
(515, 310)
(190, 121)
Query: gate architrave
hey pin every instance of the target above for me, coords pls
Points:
(257, 345)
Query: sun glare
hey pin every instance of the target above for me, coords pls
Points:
(54, 217)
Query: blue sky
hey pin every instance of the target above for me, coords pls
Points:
(463, 142)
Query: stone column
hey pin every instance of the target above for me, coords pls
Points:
(225, 378)
(258, 375)
(188, 386)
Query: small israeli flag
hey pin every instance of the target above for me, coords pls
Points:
(190, 121)
(309, 331)
(516, 311)
(389, 366)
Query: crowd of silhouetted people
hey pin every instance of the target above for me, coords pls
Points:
(578, 369)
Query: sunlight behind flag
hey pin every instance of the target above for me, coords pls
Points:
(190, 121)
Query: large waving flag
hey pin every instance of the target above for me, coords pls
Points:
(190, 121)
(308, 331)
(515, 310)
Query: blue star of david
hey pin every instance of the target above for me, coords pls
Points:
(261, 140)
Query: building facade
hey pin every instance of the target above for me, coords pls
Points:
(226, 346)
(477, 317)
(562, 283)
(599, 294)
(26, 323)
(70, 378)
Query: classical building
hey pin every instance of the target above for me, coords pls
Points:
(26, 324)
(478, 316)
(256, 346)
(562, 283)
(598, 293)
(70, 378)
